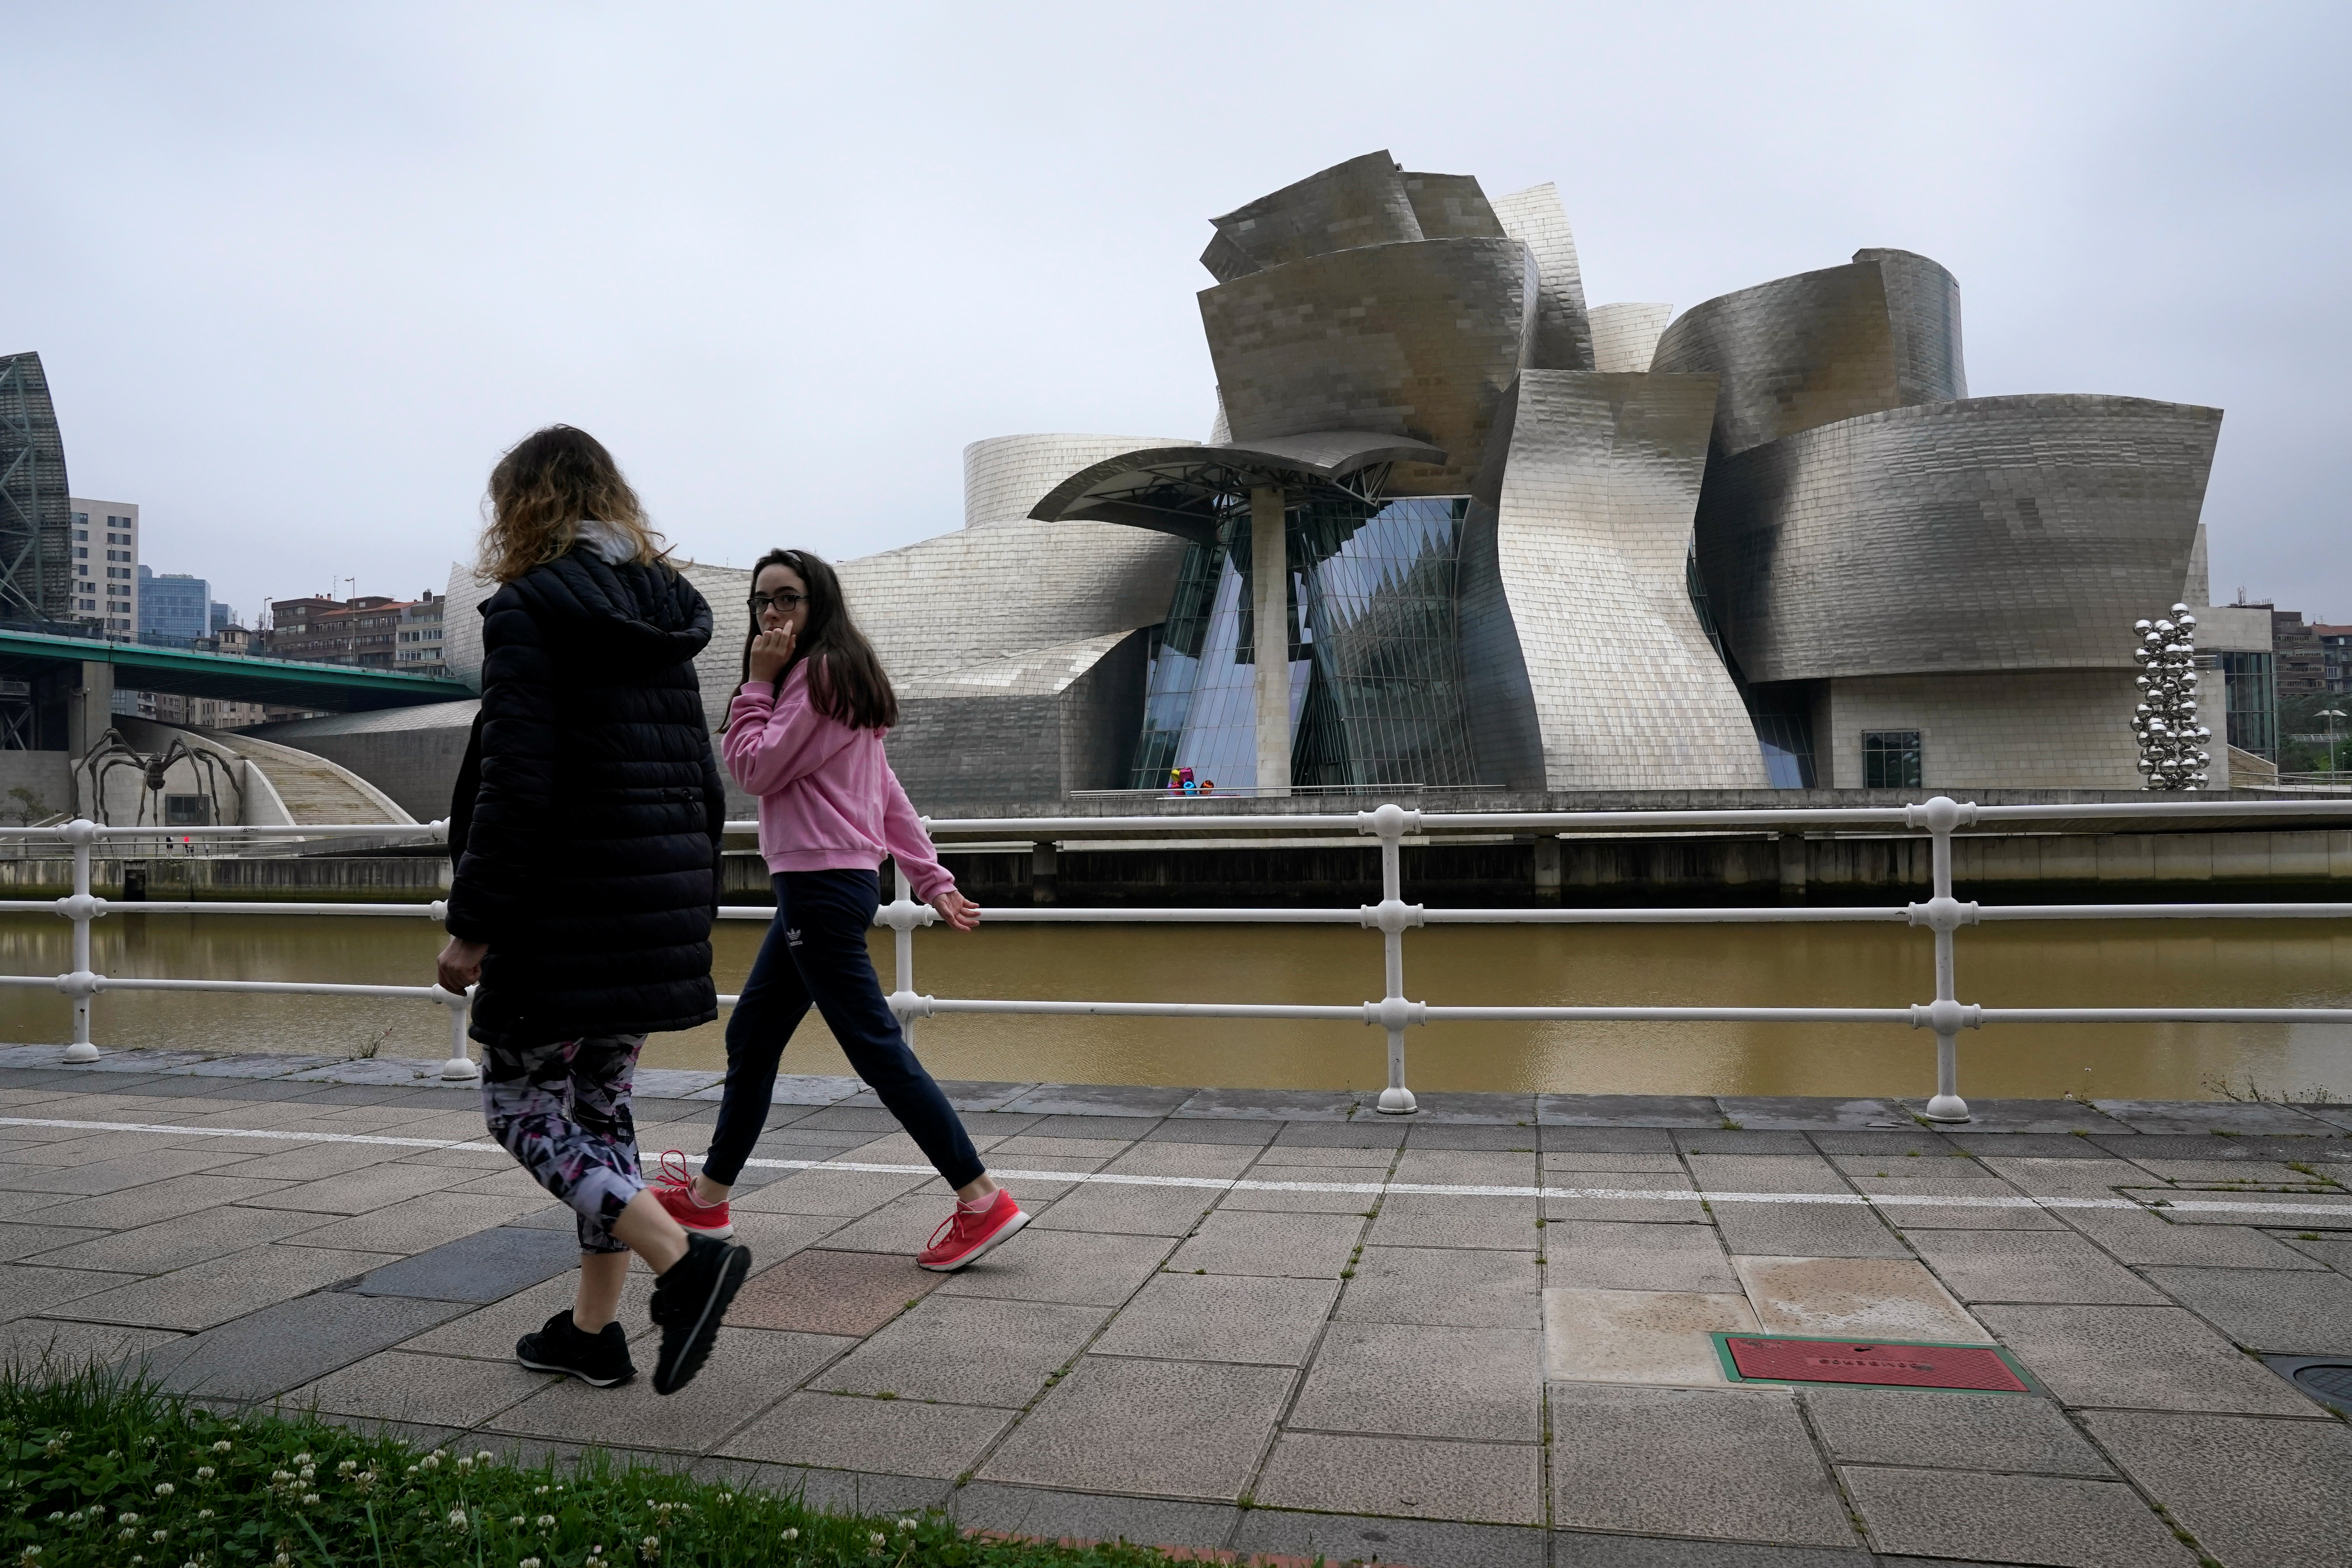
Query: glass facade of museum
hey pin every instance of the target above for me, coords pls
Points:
(1372, 642)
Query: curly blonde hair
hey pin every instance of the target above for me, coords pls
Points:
(549, 483)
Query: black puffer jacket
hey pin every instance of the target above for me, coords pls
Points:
(588, 817)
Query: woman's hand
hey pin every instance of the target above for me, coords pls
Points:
(771, 651)
(957, 911)
(461, 965)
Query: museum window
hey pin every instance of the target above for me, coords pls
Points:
(186, 811)
(1890, 759)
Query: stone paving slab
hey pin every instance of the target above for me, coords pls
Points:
(1367, 1371)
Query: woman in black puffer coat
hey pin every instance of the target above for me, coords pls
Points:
(585, 834)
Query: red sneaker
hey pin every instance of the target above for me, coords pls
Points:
(963, 1236)
(674, 1190)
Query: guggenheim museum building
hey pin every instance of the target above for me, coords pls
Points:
(1455, 526)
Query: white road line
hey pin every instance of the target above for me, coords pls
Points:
(1240, 1184)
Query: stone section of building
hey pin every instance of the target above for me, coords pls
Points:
(1004, 476)
(1625, 336)
(412, 754)
(1563, 336)
(1032, 726)
(1587, 666)
(1881, 332)
(1417, 338)
(2059, 729)
(1995, 533)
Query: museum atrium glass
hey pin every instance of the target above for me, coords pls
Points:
(1375, 657)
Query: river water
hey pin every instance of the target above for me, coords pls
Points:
(2123, 963)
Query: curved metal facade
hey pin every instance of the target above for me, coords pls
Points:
(1587, 665)
(1416, 339)
(1991, 533)
(1563, 336)
(1004, 476)
(1883, 332)
(1625, 337)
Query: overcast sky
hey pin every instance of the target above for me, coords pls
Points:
(300, 272)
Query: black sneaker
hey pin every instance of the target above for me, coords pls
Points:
(600, 1359)
(688, 1302)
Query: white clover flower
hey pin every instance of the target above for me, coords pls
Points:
(347, 1467)
(528, 1562)
(159, 1536)
(546, 1520)
(906, 1524)
(484, 1456)
(205, 1472)
(464, 1466)
(204, 1513)
(126, 1518)
(163, 1488)
(456, 1519)
(309, 1500)
(223, 1446)
(879, 1541)
(301, 1458)
(790, 1535)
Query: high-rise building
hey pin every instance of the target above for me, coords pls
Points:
(2335, 656)
(418, 651)
(106, 566)
(2302, 665)
(319, 630)
(174, 605)
(35, 518)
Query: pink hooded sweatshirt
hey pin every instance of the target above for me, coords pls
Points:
(828, 800)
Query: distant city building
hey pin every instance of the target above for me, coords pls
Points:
(106, 566)
(364, 631)
(2302, 665)
(220, 616)
(2335, 656)
(418, 650)
(174, 605)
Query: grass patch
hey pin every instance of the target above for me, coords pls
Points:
(105, 1470)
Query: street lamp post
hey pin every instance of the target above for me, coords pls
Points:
(2331, 715)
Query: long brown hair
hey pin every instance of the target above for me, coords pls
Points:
(546, 486)
(846, 682)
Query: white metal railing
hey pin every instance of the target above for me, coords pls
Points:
(1394, 1012)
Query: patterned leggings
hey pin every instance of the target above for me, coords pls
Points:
(562, 1111)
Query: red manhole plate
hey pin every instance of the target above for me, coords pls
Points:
(1891, 1366)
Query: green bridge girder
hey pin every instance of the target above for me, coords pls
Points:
(226, 676)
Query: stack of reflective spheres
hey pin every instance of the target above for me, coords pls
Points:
(2171, 741)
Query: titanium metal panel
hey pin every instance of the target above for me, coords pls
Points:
(1989, 534)
(1452, 206)
(1417, 339)
(1625, 337)
(1586, 663)
(35, 521)
(1883, 332)
(1563, 335)
(1360, 202)
(1004, 476)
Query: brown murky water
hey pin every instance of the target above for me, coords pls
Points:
(2130, 964)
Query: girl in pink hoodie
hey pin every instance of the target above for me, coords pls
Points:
(804, 734)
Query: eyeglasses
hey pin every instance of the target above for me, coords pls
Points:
(782, 604)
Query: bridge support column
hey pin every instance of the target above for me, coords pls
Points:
(90, 708)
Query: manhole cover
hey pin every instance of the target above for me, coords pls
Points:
(2327, 1379)
(1887, 1363)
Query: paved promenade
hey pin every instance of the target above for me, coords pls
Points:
(1275, 1322)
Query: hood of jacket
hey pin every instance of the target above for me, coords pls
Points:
(631, 616)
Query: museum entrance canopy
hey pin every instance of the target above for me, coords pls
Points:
(1185, 491)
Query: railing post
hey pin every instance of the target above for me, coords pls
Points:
(1393, 915)
(80, 908)
(459, 1068)
(902, 915)
(1943, 914)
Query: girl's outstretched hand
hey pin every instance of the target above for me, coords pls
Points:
(771, 651)
(957, 911)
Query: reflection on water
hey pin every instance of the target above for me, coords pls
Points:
(2134, 963)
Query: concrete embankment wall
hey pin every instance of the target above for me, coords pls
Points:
(1757, 868)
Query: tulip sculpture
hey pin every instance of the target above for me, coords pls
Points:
(2172, 742)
